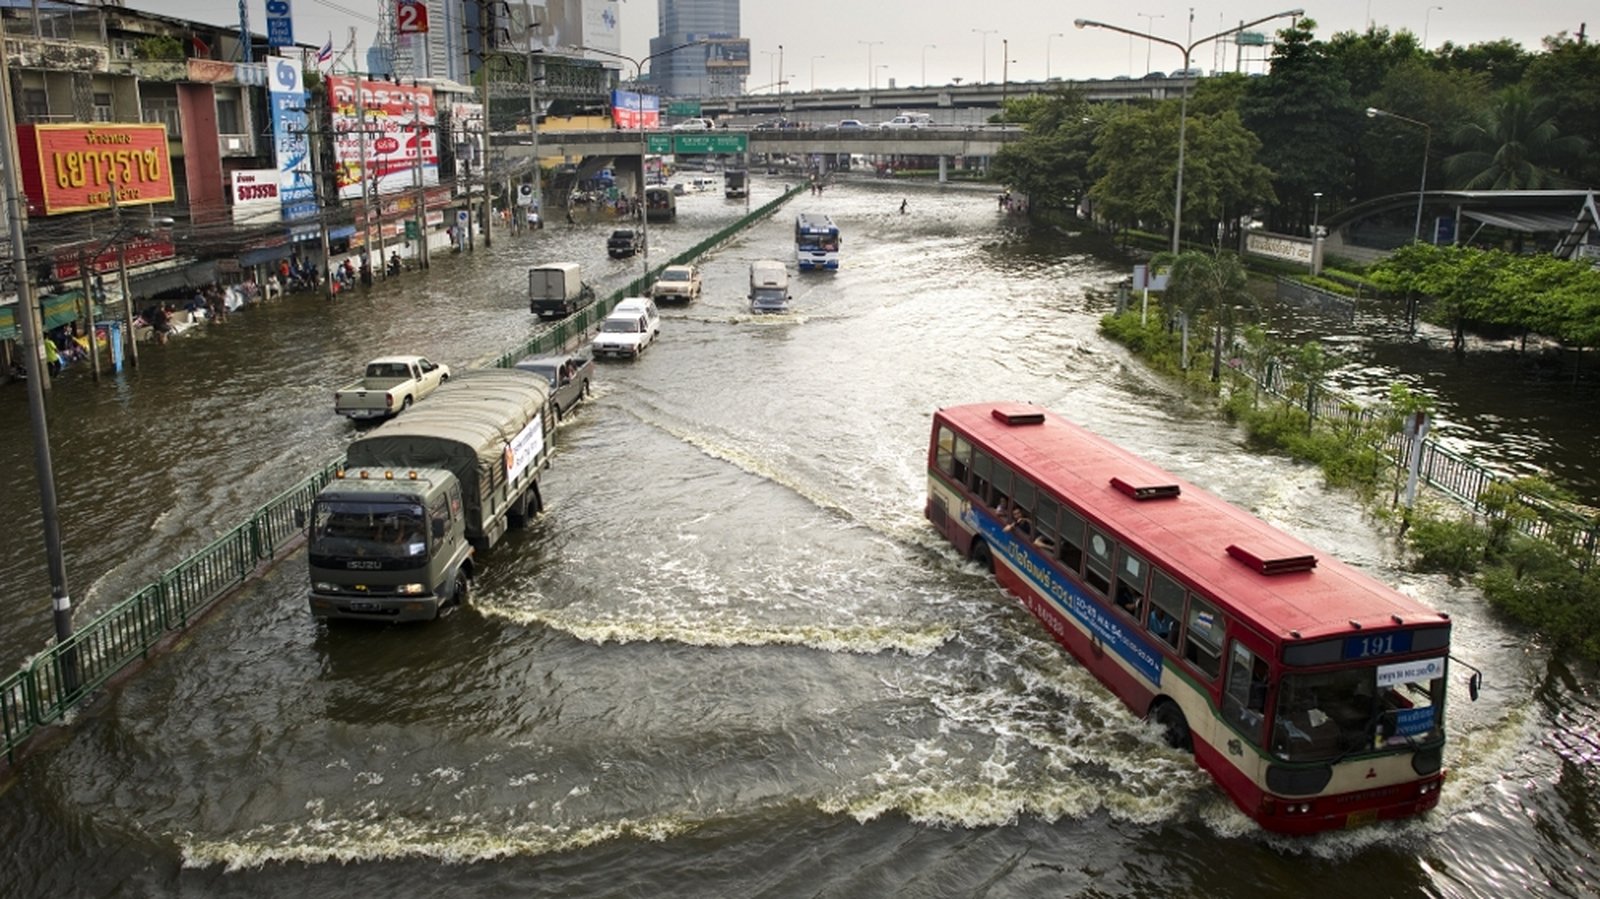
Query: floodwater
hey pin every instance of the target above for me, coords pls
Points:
(732, 658)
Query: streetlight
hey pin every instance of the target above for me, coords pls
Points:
(1149, 28)
(1427, 137)
(869, 60)
(638, 76)
(814, 70)
(880, 66)
(1047, 39)
(985, 32)
(1316, 209)
(1183, 108)
(925, 49)
(772, 79)
(1425, 17)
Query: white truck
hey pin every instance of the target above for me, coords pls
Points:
(769, 286)
(557, 289)
(677, 282)
(389, 386)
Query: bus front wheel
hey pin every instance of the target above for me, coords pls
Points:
(1173, 725)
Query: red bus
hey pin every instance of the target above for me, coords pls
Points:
(1312, 693)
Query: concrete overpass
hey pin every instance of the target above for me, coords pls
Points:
(965, 141)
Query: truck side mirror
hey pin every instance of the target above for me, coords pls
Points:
(438, 528)
(300, 518)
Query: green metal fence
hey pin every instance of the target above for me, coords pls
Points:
(45, 689)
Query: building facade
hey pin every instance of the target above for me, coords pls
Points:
(713, 70)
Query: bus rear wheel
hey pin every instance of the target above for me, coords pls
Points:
(980, 554)
(1173, 725)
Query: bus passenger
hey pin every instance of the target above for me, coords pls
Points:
(1020, 525)
(1162, 625)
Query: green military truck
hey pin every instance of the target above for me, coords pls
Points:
(393, 536)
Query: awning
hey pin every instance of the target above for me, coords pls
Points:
(1526, 222)
(341, 231)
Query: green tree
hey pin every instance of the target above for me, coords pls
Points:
(1304, 115)
(1514, 145)
(1567, 75)
(1366, 58)
(1217, 287)
(1051, 164)
(1501, 62)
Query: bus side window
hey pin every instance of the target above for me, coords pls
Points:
(978, 478)
(1046, 535)
(1166, 607)
(1202, 637)
(1130, 583)
(1071, 540)
(1002, 485)
(1097, 565)
(1244, 701)
(944, 454)
(962, 461)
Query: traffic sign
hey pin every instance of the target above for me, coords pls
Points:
(684, 108)
(711, 143)
(659, 144)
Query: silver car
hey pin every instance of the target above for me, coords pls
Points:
(569, 375)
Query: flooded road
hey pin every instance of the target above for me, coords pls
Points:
(732, 658)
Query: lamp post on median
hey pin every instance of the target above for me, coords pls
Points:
(1425, 17)
(1316, 211)
(1427, 138)
(814, 71)
(880, 66)
(984, 33)
(870, 73)
(1047, 40)
(925, 49)
(638, 76)
(1183, 108)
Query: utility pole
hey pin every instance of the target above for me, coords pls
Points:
(122, 276)
(416, 180)
(483, 127)
(38, 378)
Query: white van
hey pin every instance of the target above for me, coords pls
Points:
(623, 335)
(643, 306)
(769, 286)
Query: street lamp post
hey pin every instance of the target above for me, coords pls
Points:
(1316, 211)
(1149, 29)
(1425, 17)
(984, 33)
(1005, 72)
(1427, 138)
(1047, 40)
(638, 76)
(814, 70)
(869, 61)
(925, 49)
(880, 66)
(1183, 108)
(772, 78)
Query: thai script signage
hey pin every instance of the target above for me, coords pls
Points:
(296, 188)
(383, 136)
(71, 168)
(256, 195)
(280, 23)
(626, 109)
(103, 257)
(1278, 246)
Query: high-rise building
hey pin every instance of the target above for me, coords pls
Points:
(717, 69)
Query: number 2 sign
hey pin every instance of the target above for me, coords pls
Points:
(410, 17)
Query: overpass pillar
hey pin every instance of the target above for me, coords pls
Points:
(944, 169)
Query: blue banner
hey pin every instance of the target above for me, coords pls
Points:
(1115, 632)
(290, 123)
(280, 24)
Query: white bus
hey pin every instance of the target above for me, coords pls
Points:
(816, 242)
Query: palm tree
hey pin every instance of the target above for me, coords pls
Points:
(1216, 285)
(1514, 145)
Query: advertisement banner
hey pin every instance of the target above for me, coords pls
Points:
(1278, 246)
(600, 26)
(136, 250)
(398, 136)
(728, 56)
(625, 109)
(296, 189)
(280, 24)
(70, 168)
(466, 131)
(256, 196)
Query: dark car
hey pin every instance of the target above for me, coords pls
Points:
(569, 375)
(624, 242)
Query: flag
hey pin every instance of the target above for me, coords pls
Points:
(325, 55)
(201, 48)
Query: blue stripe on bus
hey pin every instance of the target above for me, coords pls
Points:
(1067, 597)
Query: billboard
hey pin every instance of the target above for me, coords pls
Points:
(562, 26)
(728, 56)
(410, 17)
(296, 189)
(628, 107)
(256, 196)
(280, 24)
(70, 168)
(384, 136)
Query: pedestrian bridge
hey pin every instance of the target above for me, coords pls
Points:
(949, 141)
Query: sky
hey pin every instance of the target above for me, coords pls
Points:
(833, 44)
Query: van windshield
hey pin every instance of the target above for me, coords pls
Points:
(620, 326)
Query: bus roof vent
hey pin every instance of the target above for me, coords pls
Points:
(1017, 417)
(1270, 564)
(1146, 491)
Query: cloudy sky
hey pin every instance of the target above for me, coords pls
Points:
(830, 41)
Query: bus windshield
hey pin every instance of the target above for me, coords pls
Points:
(1330, 714)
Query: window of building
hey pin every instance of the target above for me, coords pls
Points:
(102, 107)
(164, 111)
(228, 116)
(35, 105)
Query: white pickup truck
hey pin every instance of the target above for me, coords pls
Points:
(389, 386)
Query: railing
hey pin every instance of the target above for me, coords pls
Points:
(66, 674)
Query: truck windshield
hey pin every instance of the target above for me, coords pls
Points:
(346, 530)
